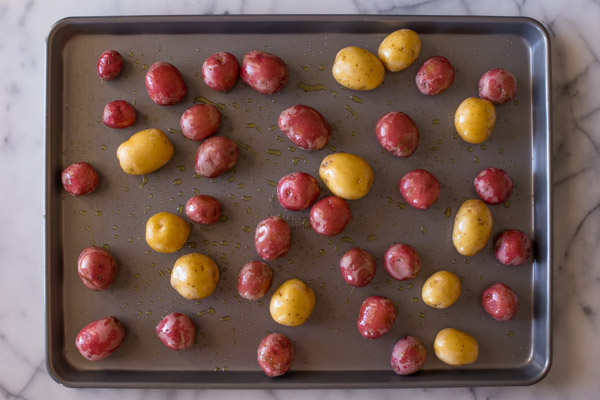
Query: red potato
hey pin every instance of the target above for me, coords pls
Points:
(435, 75)
(200, 121)
(357, 267)
(297, 191)
(402, 262)
(305, 127)
(109, 65)
(165, 84)
(500, 302)
(79, 179)
(397, 133)
(329, 216)
(420, 189)
(100, 338)
(176, 331)
(493, 185)
(203, 209)
(119, 114)
(498, 85)
(215, 156)
(97, 268)
(254, 280)
(264, 72)
(220, 71)
(272, 238)
(376, 317)
(408, 355)
(275, 354)
(513, 247)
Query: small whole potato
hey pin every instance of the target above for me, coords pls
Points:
(166, 232)
(195, 276)
(254, 280)
(474, 120)
(305, 127)
(97, 268)
(513, 247)
(500, 302)
(119, 114)
(275, 354)
(329, 216)
(376, 317)
(98, 339)
(493, 185)
(498, 85)
(347, 175)
(264, 72)
(297, 191)
(292, 303)
(200, 121)
(402, 262)
(435, 75)
(215, 156)
(109, 65)
(357, 267)
(455, 347)
(164, 84)
(399, 49)
(441, 290)
(145, 152)
(420, 189)
(397, 133)
(176, 331)
(79, 179)
(408, 355)
(220, 71)
(358, 69)
(203, 209)
(272, 238)
(472, 227)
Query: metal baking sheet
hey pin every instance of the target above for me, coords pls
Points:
(329, 351)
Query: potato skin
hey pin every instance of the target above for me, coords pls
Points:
(455, 347)
(376, 317)
(109, 65)
(500, 302)
(358, 69)
(305, 127)
(264, 72)
(164, 84)
(176, 331)
(513, 247)
(420, 189)
(357, 267)
(472, 227)
(493, 185)
(397, 133)
(347, 175)
(272, 238)
(119, 114)
(297, 191)
(399, 49)
(145, 152)
(200, 121)
(408, 355)
(254, 280)
(166, 232)
(203, 209)
(79, 179)
(292, 303)
(220, 71)
(474, 120)
(435, 75)
(195, 276)
(441, 290)
(98, 339)
(97, 268)
(498, 85)
(329, 216)
(402, 262)
(215, 156)
(275, 354)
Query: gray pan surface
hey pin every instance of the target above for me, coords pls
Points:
(330, 352)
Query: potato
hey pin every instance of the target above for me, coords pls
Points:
(455, 347)
(292, 303)
(493, 185)
(357, 267)
(297, 191)
(441, 289)
(500, 302)
(347, 175)
(472, 227)
(513, 247)
(397, 133)
(97, 268)
(195, 276)
(376, 317)
(408, 356)
(166, 232)
(474, 120)
(79, 179)
(402, 261)
(329, 216)
(435, 75)
(203, 209)
(109, 65)
(357, 69)
(498, 85)
(164, 84)
(254, 280)
(98, 339)
(176, 331)
(272, 238)
(420, 188)
(305, 127)
(264, 72)
(119, 114)
(215, 156)
(399, 49)
(145, 152)
(200, 121)
(220, 71)
(275, 354)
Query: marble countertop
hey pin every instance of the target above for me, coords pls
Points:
(574, 31)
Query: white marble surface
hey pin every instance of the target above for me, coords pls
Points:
(574, 28)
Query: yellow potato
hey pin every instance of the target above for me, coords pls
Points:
(292, 303)
(474, 120)
(166, 232)
(399, 49)
(472, 227)
(358, 69)
(455, 347)
(441, 290)
(347, 175)
(195, 276)
(145, 152)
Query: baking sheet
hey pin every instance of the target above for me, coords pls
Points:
(329, 350)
